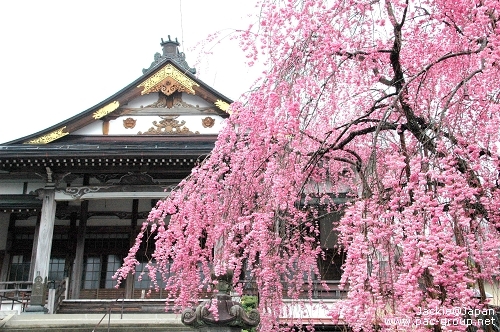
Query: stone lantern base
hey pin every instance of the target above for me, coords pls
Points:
(220, 329)
(231, 315)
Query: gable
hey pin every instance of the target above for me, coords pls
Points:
(167, 100)
(159, 114)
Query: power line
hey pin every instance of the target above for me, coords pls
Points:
(182, 26)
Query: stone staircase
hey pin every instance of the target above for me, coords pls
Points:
(92, 322)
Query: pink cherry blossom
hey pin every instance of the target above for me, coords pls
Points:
(394, 104)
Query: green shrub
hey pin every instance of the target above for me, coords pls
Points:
(249, 302)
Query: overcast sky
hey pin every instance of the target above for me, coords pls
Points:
(59, 58)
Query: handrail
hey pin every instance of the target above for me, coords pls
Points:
(21, 291)
(321, 289)
(4, 286)
(21, 302)
(108, 312)
(60, 293)
(15, 282)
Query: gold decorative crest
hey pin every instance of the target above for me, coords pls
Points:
(168, 80)
(129, 123)
(208, 122)
(223, 106)
(52, 136)
(103, 111)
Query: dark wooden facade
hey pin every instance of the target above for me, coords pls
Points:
(72, 196)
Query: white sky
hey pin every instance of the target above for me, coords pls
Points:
(59, 57)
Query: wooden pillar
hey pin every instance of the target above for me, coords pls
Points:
(129, 282)
(4, 274)
(80, 247)
(46, 232)
(70, 256)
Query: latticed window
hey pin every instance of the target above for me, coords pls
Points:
(99, 271)
(92, 274)
(113, 263)
(111, 241)
(57, 269)
(145, 281)
(19, 268)
(103, 257)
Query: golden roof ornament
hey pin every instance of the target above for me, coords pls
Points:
(52, 136)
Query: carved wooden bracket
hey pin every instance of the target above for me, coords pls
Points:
(168, 126)
(168, 80)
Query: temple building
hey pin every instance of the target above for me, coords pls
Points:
(72, 195)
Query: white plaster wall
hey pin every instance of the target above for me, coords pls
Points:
(33, 186)
(193, 123)
(115, 205)
(143, 101)
(11, 188)
(144, 123)
(110, 221)
(16, 187)
(145, 205)
(195, 100)
(95, 128)
(110, 205)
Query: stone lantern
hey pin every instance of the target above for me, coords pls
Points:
(231, 315)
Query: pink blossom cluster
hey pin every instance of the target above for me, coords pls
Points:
(394, 103)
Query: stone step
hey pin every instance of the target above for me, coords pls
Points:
(90, 322)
